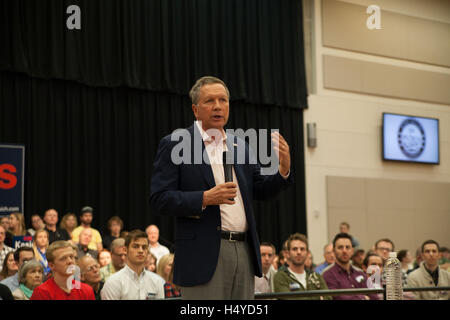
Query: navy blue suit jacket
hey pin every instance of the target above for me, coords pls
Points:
(177, 190)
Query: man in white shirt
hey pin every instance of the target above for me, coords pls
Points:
(156, 248)
(134, 282)
(264, 284)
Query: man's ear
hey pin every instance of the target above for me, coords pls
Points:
(195, 109)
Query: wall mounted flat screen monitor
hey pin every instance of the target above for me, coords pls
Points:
(410, 138)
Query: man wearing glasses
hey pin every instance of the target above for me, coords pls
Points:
(118, 257)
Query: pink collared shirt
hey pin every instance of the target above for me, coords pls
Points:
(232, 216)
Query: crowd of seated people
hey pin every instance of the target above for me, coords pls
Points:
(73, 261)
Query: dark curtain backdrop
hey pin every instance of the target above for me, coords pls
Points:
(91, 105)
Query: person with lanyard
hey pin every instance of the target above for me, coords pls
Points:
(40, 245)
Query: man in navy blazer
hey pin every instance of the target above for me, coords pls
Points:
(217, 251)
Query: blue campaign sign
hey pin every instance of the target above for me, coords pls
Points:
(12, 171)
(22, 241)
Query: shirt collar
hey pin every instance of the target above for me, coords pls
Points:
(208, 138)
(340, 269)
(132, 273)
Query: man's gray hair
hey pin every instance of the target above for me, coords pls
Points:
(195, 91)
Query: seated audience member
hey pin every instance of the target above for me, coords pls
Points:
(9, 266)
(444, 261)
(4, 249)
(405, 259)
(358, 258)
(344, 227)
(374, 264)
(90, 274)
(4, 222)
(418, 259)
(83, 245)
(104, 258)
(40, 245)
(36, 224)
(328, 254)
(61, 259)
(54, 233)
(265, 283)
(430, 274)
(383, 247)
(31, 275)
(17, 224)
(150, 263)
(5, 293)
(134, 282)
(21, 255)
(296, 277)
(275, 262)
(155, 247)
(374, 261)
(164, 270)
(124, 234)
(118, 257)
(69, 222)
(86, 217)
(341, 274)
(115, 225)
(309, 264)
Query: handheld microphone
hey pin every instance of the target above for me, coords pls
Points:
(228, 167)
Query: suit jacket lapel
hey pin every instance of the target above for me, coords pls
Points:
(204, 168)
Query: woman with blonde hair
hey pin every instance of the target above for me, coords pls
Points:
(17, 224)
(40, 245)
(164, 268)
(69, 222)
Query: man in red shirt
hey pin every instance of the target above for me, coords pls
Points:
(61, 260)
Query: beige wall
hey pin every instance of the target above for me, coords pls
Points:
(348, 119)
(403, 211)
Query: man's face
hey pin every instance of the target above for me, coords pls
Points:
(25, 256)
(375, 261)
(329, 254)
(297, 253)
(383, 248)
(212, 107)
(118, 257)
(85, 237)
(343, 250)
(90, 271)
(266, 257)
(138, 251)
(51, 217)
(431, 254)
(86, 218)
(152, 234)
(64, 257)
(343, 228)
